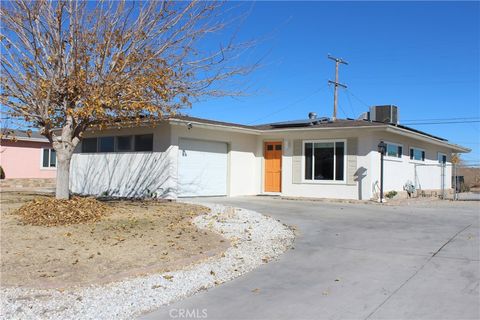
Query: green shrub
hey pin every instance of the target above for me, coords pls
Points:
(391, 194)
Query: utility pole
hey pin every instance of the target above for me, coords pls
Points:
(336, 84)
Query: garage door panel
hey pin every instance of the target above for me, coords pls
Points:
(202, 168)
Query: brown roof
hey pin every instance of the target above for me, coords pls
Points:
(11, 134)
(208, 121)
(339, 123)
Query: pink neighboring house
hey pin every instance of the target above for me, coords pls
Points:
(27, 157)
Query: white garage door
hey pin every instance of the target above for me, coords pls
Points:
(202, 168)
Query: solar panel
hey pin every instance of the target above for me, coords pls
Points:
(299, 123)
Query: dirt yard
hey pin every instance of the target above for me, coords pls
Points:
(137, 238)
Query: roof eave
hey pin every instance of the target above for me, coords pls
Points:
(404, 132)
(26, 139)
(323, 128)
(194, 123)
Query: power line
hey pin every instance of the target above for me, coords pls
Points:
(351, 105)
(290, 105)
(444, 122)
(441, 119)
(358, 99)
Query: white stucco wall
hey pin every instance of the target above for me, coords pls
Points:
(126, 174)
(424, 174)
(398, 171)
(325, 189)
(242, 157)
(132, 174)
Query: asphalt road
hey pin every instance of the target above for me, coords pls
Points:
(354, 261)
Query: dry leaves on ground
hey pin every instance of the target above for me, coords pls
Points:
(54, 212)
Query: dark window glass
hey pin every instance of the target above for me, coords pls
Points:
(308, 161)
(323, 158)
(106, 144)
(339, 153)
(323, 166)
(124, 143)
(144, 142)
(442, 158)
(394, 150)
(269, 147)
(89, 145)
(53, 158)
(45, 158)
(278, 147)
(417, 154)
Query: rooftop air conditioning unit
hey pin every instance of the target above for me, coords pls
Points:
(385, 114)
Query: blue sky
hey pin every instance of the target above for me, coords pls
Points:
(421, 56)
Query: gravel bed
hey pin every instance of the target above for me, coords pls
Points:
(255, 238)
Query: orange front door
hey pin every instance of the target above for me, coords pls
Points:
(273, 166)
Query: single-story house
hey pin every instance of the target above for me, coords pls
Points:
(183, 156)
(27, 156)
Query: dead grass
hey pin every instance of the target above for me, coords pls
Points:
(135, 238)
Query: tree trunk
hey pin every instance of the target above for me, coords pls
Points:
(63, 175)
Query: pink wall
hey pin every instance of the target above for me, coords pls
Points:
(22, 159)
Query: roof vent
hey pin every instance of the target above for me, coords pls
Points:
(312, 115)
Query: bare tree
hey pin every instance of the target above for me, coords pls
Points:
(67, 65)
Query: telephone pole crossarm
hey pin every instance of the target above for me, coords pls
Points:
(339, 60)
(336, 84)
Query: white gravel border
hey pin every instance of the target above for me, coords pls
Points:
(256, 239)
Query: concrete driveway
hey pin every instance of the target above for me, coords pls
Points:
(355, 261)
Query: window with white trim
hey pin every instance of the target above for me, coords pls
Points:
(394, 150)
(442, 158)
(324, 160)
(49, 158)
(417, 154)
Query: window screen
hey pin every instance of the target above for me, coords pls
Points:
(89, 145)
(49, 158)
(442, 158)
(144, 142)
(417, 154)
(45, 160)
(394, 150)
(124, 143)
(106, 144)
(53, 158)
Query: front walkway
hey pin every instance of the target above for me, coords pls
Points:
(355, 261)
